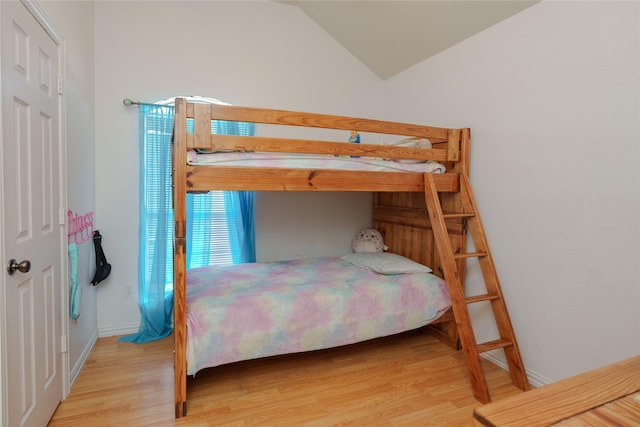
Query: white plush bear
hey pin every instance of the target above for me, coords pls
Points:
(368, 240)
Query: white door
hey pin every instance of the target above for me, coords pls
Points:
(31, 210)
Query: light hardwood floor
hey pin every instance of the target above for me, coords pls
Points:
(406, 380)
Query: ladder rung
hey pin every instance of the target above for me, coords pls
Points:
(458, 215)
(493, 345)
(470, 255)
(479, 298)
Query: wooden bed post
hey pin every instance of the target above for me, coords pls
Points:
(179, 173)
(462, 140)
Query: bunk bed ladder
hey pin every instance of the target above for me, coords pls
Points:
(450, 264)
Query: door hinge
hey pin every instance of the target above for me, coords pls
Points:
(62, 217)
(60, 86)
(63, 344)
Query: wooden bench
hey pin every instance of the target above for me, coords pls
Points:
(609, 396)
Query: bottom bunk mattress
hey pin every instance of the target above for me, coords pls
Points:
(247, 311)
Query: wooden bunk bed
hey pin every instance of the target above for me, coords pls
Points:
(425, 217)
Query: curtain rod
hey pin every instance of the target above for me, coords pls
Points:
(128, 102)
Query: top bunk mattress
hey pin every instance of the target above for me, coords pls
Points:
(310, 161)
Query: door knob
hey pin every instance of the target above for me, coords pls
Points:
(22, 267)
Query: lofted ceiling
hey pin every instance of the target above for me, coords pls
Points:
(389, 36)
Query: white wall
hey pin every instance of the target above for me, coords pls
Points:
(246, 53)
(552, 99)
(74, 21)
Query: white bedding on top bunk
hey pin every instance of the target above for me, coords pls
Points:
(310, 161)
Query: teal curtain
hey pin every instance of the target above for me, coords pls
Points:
(155, 230)
(239, 212)
(206, 213)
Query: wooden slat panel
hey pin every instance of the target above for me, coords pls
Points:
(305, 146)
(294, 118)
(402, 216)
(203, 178)
(411, 217)
(410, 242)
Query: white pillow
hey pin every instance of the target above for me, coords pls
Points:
(410, 143)
(385, 263)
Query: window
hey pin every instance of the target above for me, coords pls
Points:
(209, 241)
(219, 224)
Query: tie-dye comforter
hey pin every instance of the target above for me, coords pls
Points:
(248, 311)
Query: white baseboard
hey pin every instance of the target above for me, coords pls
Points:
(100, 333)
(73, 375)
(118, 330)
(498, 359)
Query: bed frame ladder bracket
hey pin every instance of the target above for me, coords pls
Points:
(459, 302)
